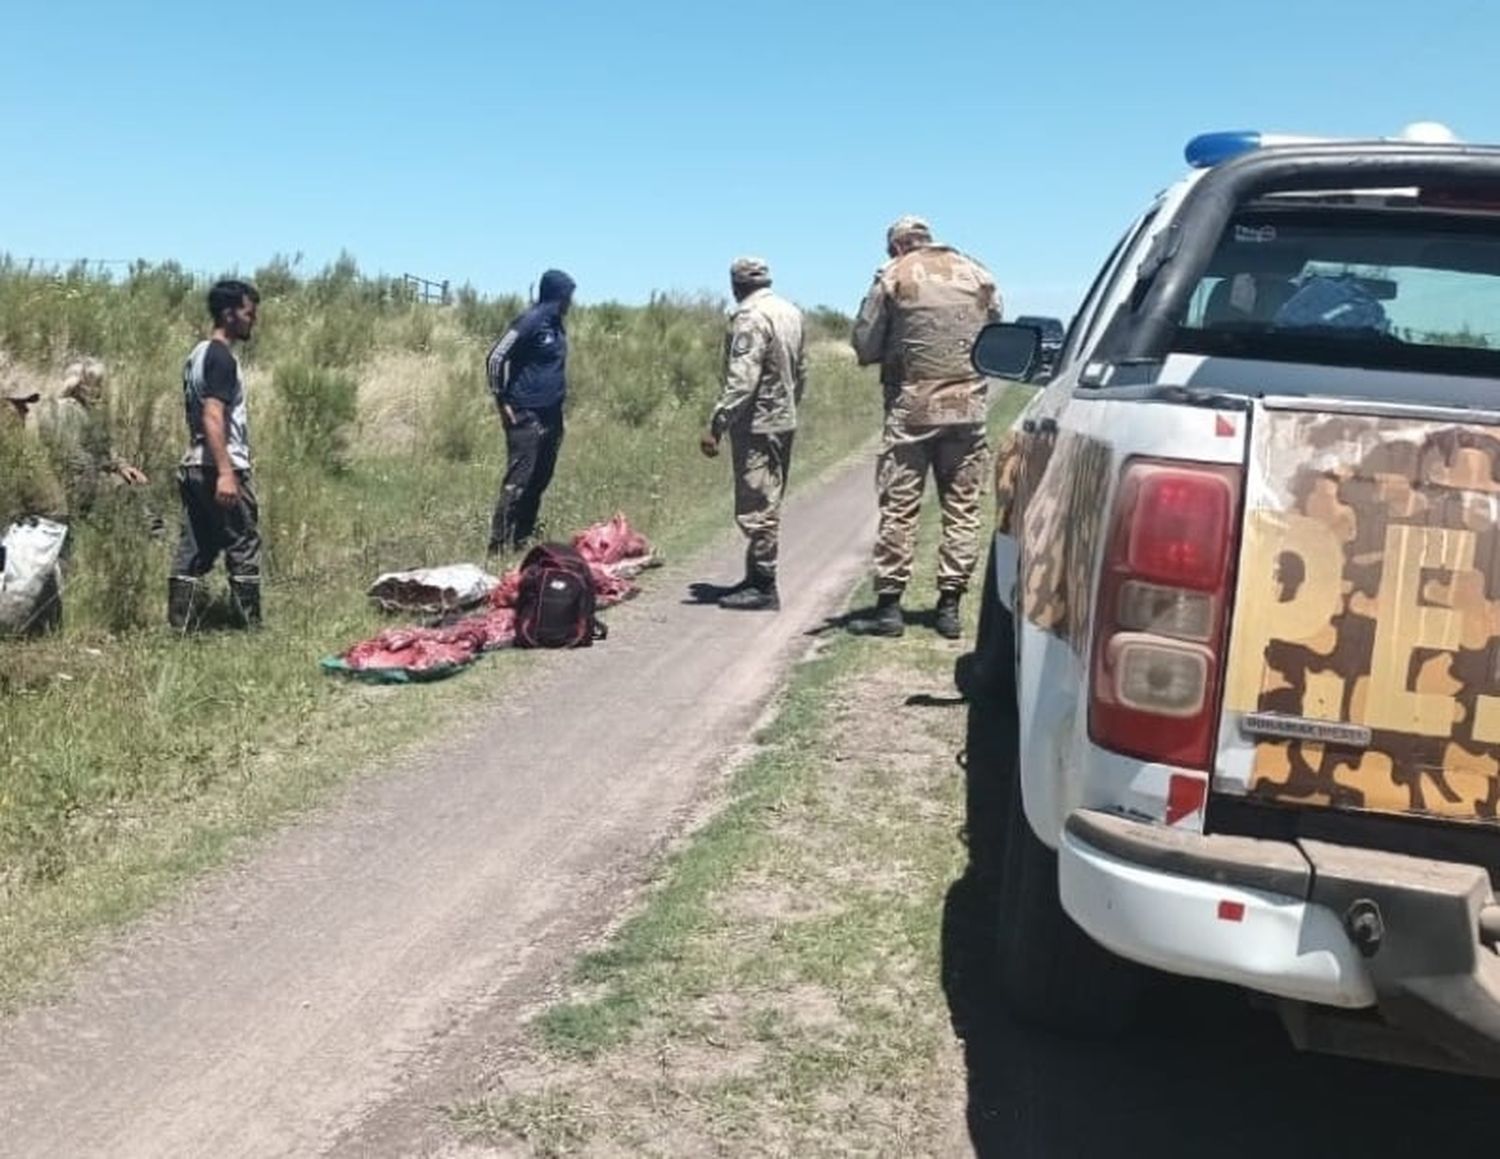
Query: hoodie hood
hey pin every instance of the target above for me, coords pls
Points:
(556, 286)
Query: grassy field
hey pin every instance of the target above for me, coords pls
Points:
(779, 992)
(133, 758)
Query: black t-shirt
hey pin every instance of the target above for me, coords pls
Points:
(221, 374)
(212, 372)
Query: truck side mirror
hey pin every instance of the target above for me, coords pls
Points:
(1006, 350)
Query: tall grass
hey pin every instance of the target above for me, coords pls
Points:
(377, 448)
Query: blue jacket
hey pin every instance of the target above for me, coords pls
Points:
(528, 366)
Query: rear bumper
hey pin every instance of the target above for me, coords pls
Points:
(1307, 921)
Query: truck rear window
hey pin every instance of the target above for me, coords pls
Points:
(1404, 287)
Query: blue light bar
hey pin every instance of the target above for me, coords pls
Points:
(1209, 149)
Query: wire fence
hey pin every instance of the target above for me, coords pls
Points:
(425, 290)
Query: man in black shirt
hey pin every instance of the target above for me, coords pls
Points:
(219, 511)
(527, 371)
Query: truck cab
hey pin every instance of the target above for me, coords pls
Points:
(1237, 683)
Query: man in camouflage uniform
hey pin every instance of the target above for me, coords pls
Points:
(918, 322)
(765, 371)
(75, 429)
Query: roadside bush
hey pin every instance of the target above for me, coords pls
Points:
(315, 409)
(462, 417)
(485, 318)
(28, 485)
(278, 277)
(342, 335)
(119, 574)
(634, 399)
(826, 324)
(417, 330)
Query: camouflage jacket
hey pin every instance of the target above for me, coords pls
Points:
(765, 367)
(77, 439)
(918, 322)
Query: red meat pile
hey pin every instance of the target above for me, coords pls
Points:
(611, 542)
(414, 649)
(614, 552)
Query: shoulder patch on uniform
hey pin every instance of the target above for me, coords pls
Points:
(743, 340)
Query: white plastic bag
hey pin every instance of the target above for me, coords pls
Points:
(433, 589)
(31, 584)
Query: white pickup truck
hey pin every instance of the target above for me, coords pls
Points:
(1235, 699)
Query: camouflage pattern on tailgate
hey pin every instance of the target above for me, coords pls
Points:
(1369, 595)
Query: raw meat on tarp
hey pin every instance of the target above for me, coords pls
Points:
(414, 656)
(399, 655)
(611, 589)
(497, 628)
(611, 542)
(403, 654)
(615, 553)
(504, 595)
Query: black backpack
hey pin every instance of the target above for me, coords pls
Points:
(556, 602)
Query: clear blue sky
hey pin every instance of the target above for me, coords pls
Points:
(643, 145)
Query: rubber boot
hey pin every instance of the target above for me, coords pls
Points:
(945, 622)
(245, 595)
(182, 594)
(753, 597)
(886, 621)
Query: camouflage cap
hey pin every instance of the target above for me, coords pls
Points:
(750, 272)
(908, 226)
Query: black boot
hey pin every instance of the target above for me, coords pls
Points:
(245, 595)
(945, 622)
(753, 597)
(886, 621)
(182, 594)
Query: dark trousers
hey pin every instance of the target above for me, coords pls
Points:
(208, 529)
(531, 446)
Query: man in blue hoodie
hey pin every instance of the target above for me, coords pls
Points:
(528, 377)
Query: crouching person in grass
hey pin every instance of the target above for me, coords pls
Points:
(219, 512)
(75, 428)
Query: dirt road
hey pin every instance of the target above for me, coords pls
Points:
(289, 1001)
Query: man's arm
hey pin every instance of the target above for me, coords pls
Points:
(498, 365)
(216, 438)
(870, 326)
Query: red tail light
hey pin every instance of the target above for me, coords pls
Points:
(1179, 531)
(1163, 598)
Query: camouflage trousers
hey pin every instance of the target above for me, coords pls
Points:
(761, 465)
(956, 456)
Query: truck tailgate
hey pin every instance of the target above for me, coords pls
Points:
(1364, 654)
